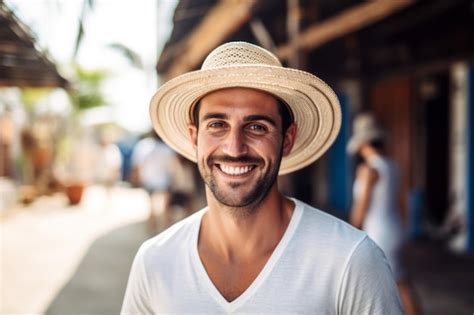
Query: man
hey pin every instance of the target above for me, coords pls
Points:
(245, 119)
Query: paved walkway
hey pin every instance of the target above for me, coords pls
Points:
(47, 245)
(99, 283)
(444, 281)
(75, 260)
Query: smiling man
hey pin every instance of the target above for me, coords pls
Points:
(240, 146)
(245, 119)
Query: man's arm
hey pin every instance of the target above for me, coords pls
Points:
(367, 285)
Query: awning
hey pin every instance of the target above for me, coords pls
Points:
(22, 64)
(195, 35)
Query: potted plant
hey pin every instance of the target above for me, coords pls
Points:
(84, 95)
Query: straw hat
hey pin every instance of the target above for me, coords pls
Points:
(365, 129)
(313, 103)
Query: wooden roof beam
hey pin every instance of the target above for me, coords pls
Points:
(346, 22)
(222, 20)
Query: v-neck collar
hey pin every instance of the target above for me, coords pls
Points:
(205, 280)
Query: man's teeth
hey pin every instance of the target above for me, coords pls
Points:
(235, 170)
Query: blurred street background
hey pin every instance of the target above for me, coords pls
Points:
(47, 244)
(76, 78)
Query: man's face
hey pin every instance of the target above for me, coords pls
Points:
(239, 145)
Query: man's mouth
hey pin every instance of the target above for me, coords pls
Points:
(235, 170)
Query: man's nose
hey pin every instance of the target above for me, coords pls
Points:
(235, 143)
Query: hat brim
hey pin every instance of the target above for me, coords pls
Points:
(314, 105)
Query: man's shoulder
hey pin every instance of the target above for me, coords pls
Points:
(173, 240)
(319, 225)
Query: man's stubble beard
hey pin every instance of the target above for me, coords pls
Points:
(247, 204)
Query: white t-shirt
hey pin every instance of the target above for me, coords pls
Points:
(322, 265)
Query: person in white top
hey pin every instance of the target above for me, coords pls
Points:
(109, 161)
(152, 167)
(377, 203)
(245, 119)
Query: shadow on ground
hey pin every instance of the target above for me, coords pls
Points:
(444, 281)
(99, 283)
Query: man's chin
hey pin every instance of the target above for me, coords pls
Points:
(234, 195)
(232, 201)
(239, 192)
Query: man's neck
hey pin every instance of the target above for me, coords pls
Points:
(234, 237)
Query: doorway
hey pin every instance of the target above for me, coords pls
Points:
(434, 96)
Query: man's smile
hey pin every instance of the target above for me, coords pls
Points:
(235, 166)
(235, 170)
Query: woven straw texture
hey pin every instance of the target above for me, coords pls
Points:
(238, 64)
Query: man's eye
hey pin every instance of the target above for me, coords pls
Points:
(257, 128)
(216, 124)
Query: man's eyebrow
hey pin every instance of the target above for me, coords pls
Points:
(260, 117)
(249, 118)
(214, 116)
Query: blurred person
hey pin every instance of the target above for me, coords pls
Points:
(376, 200)
(245, 119)
(183, 188)
(152, 166)
(109, 162)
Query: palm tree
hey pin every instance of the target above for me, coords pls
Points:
(86, 93)
(87, 5)
(134, 58)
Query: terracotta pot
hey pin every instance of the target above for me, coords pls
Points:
(28, 193)
(74, 192)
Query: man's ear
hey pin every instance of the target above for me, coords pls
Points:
(193, 131)
(289, 138)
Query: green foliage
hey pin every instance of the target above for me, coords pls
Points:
(79, 37)
(128, 53)
(86, 92)
(87, 5)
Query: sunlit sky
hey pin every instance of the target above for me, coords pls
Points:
(142, 25)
